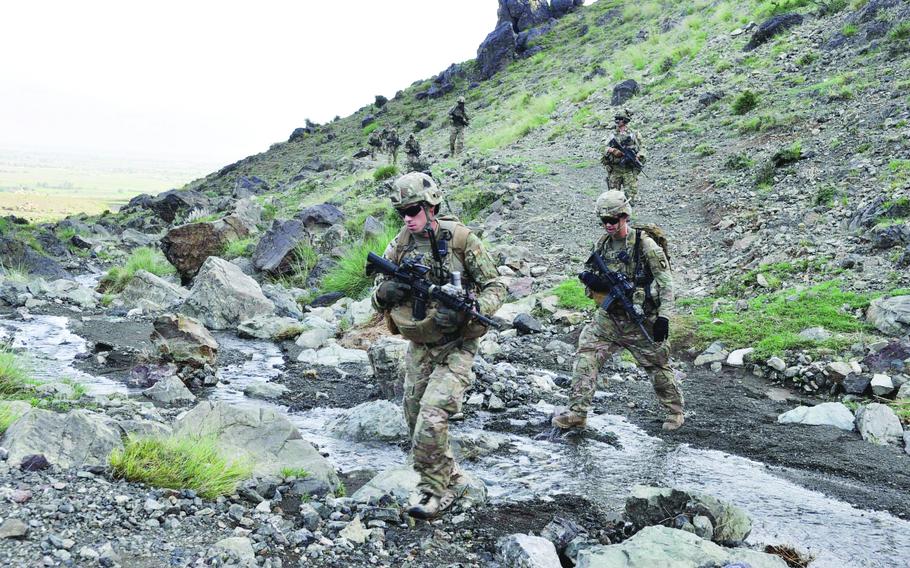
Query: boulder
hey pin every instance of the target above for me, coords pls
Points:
(661, 546)
(265, 437)
(856, 384)
(332, 356)
(16, 254)
(188, 246)
(777, 364)
(133, 238)
(838, 370)
(238, 548)
(521, 287)
(170, 204)
(373, 228)
(377, 420)
(815, 334)
(387, 358)
(561, 531)
(496, 50)
(362, 312)
(270, 327)
(508, 312)
(170, 392)
(184, 341)
(526, 324)
(878, 424)
(656, 505)
(13, 528)
(890, 315)
(145, 375)
(77, 438)
(285, 303)
(825, 414)
(890, 236)
(400, 481)
(314, 337)
(772, 27)
(355, 532)
(559, 8)
(523, 15)
(147, 287)
(324, 215)
(715, 353)
(265, 391)
(624, 91)
(525, 551)
(223, 296)
(249, 212)
(275, 252)
(882, 385)
(246, 187)
(737, 357)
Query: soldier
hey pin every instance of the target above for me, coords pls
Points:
(442, 346)
(633, 252)
(375, 142)
(392, 142)
(622, 175)
(412, 151)
(459, 117)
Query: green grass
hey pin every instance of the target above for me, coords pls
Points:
(369, 128)
(383, 173)
(849, 30)
(472, 201)
(348, 276)
(303, 261)
(342, 491)
(739, 161)
(239, 247)
(8, 415)
(900, 32)
(527, 113)
(901, 407)
(298, 472)
(705, 150)
(179, 463)
(826, 195)
(145, 258)
(15, 378)
(744, 102)
(772, 322)
(571, 294)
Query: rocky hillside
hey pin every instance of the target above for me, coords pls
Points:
(197, 378)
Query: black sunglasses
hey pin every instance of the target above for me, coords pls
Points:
(610, 220)
(412, 211)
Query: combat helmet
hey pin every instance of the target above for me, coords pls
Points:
(461, 100)
(413, 188)
(624, 114)
(613, 204)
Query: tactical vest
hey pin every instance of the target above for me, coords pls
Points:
(400, 319)
(634, 266)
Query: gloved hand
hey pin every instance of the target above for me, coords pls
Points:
(593, 281)
(392, 293)
(447, 320)
(661, 329)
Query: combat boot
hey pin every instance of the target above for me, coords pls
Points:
(430, 506)
(674, 421)
(565, 418)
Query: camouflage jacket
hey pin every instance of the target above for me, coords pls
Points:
(630, 139)
(375, 139)
(653, 260)
(458, 115)
(412, 147)
(391, 139)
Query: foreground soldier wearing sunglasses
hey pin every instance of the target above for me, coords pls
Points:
(633, 253)
(443, 340)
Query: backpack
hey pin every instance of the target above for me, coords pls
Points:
(657, 235)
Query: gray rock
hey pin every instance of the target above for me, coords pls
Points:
(526, 324)
(654, 505)
(904, 391)
(285, 303)
(275, 252)
(399, 482)
(825, 414)
(737, 357)
(13, 528)
(878, 424)
(140, 428)
(170, 391)
(907, 442)
(249, 212)
(147, 287)
(624, 91)
(266, 391)
(839, 370)
(661, 546)
(270, 327)
(377, 420)
(890, 315)
(14, 252)
(372, 228)
(525, 551)
(561, 531)
(240, 546)
(77, 438)
(815, 334)
(387, 358)
(184, 341)
(355, 532)
(523, 15)
(777, 364)
(332, 356)
(315, 337)
(72, 292)
(715, 353)
(133, 238)
(704, 528)
(170, 204)
(856, 384)
(222, 296)
(882, 385)
(324, 215)
(266, 437)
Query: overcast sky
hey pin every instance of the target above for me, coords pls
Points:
(212, 80)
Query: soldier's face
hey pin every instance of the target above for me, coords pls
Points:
(415, 218)
(616, 226)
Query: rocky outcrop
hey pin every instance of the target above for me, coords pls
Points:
(522, 15)
(171, 204)
(188, 246)
(270, 327)
(772, 27)
(624, 91)
(890, 315)
(496, 50)
(77, 438)
(263, 436)
(184, 341)
(275, 252)
(148, 289)
(223, 296)
(17, 255)
(377, 420)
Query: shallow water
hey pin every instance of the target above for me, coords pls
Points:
(838, 534)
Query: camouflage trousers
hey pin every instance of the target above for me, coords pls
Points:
(435, 381)
(605, 336)
(456, 140)
(393, 155)
(623, 180)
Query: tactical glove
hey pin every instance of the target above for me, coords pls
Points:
(447, 320)
(593, 281)
(661, 329)
(392, 293)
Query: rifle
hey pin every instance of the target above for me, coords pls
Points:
(629, 157)
(413, 274)
(620, 290)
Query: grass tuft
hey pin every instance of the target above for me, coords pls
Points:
(15, 379)
(746, 101)
(383, 173)
(179, 463)
(239, 247)
(8, 415)
(145, 258)
(298, 472)
(348, 276)
(571, 294)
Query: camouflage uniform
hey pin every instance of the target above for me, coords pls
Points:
(391, 143)
(622, 177)
(375, 142)
(459, 117)
(412, 151)
(438, 373)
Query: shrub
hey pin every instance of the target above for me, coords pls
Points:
(746, 101)
(369, 128)
(179, 463)
(900, 32)
(825, 195)
(303, 260)
(571, 294)
(788, 155)
(849, 30)
(806, 58)
(145, 258)
(704, 150)
(385, 172)
(764, 177)
(738, 161)
(239, 247)
(349, 276)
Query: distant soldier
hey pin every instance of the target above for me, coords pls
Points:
(392, 143)
(459, 117)
(375, 142)
(412, 151)
(623, 157)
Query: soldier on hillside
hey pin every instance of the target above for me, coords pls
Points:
(634, 252)
(623, 169)
(392, 143)
(441, 351)
(412, 151)
(459, 117)
(375, 142)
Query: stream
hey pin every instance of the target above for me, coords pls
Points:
(838, 534)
